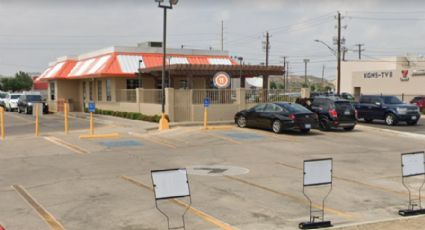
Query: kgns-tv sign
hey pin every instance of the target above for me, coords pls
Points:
(385, 74)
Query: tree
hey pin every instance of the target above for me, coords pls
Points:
(20, 82)
(273, 85)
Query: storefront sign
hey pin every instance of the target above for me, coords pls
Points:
(404, 75)
(221, 80)
(387, 74)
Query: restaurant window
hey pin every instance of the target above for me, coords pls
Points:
(108, 90)
(91, 90)
(183, 84)
(99, 90)
(52, 91)
(133, 84)
(84, 91)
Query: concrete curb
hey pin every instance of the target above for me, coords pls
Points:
(191, 124)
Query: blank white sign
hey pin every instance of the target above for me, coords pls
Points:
(317, 172)
(413, 164)
(170, 183)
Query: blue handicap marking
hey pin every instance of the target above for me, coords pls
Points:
(120, 144)
(243, 136)
(92, 107)
(206, 102)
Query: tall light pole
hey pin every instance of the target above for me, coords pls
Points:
(163, 122)
(305, 71)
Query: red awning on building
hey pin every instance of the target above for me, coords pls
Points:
(121, 64)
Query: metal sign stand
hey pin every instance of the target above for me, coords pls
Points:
(415, 205)
(317, 216)
(170, 196)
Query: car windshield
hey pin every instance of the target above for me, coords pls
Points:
(295, 108)
(16, 96)
(343, 105)
(33, 98)
(2, 95)
(392, 100)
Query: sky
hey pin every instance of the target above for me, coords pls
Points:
(36, 32)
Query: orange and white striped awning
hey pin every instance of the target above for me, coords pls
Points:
(124, 64)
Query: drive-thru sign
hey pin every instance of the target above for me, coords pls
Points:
(221, 80)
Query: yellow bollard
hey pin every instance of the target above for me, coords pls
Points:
(65, 113)
(91, 124)
(37, 131)
(2, 122)
(205, 118)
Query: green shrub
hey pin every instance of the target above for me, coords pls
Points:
(129, 115)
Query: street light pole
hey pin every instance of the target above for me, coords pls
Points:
(163, 122)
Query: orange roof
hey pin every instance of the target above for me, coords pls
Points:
(122, 64)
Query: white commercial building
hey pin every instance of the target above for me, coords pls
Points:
(400, 76)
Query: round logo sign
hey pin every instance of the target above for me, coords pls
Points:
(221, 80)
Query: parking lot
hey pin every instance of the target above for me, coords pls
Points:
(239, 178)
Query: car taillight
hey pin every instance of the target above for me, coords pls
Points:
(333, 113)
(292, 117)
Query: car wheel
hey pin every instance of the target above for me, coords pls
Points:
(277, 126)
(368, 120)
(305, 130)
(390, 119)
(324, 125)
(412, 122)
(241, 121)
(349, 128)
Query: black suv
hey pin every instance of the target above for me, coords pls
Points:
(26, 102)
(387, 108)
(334, 112)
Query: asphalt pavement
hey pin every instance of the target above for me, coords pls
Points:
(239, 178)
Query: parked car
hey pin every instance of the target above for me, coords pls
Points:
(277, 116)
(419, 101)
(11, 102)
(334, 112)
(2, 99)
(387, 108)
(347, 96)
(26, 102)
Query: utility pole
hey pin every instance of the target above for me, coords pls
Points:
(323, 74)
(344, 51)
(360, 50)
(222, 35)
(339, 55)
(267, 48)
(305, 72)
(284, 72)
(287, 76)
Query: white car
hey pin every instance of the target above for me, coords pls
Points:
(11, 102)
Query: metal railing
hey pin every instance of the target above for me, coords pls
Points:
(216, 96)
(151, 96)
(270, 95)
(126, 95)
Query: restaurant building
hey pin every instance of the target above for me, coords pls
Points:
(400, 76)
(128, 79)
